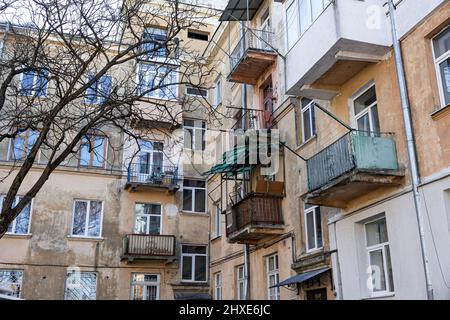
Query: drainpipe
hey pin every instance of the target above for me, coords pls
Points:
(415, 177)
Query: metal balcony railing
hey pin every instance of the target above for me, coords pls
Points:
(149, 245)
(369, 151)
(252, 39)
(153, 174)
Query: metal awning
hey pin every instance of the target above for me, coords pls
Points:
(302, 277)
(237, 10)
(191, 296)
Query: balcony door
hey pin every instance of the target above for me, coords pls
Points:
(268, 104)
(264, 37)
(147, 219)
(150, 161)
(365, 110)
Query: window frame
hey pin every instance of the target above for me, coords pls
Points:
(377, 247)
(10, 151)
(193, 135)
(313, 130)
(80, 272)
(367, 110)
(99, 99)
(159, 93)
(88, 208)
(276, 273)
(33, 92)
(218, 285)
(148, 219)
(194, 196)
(193, 255)
(218, 98)
(14, 223)
(437, 61)
(156, 283)
(217, 221)
(194, 94)
(197, 32)
(20, 283)
(92, 154)
(312, 210)
(239, 281)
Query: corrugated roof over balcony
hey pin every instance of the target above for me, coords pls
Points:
(240, 10)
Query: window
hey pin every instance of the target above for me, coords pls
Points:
(81, 286)
(204, 36)
(218, 286)
(22, 144)
(21, 224)
(99, 90)
(194, 196)
(12, 280)
(240, 283)
(218, 220)
(156, 47)
(150, 161)
(145, 286)
(193, 263)
(292, 25)
(308, 119)
(194, 91)
(87, 218)
(158, 81)
(377, 244)
(273, 277)
(34, 83)
(366, 111)
(194, 134)
(147, 218)
(313, 227)
(218, 92)
(441, 45)
(93, 151)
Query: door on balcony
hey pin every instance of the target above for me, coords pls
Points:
(365, 109)
(264, 36)
(150, 161)
(147, 219)
(268, 104)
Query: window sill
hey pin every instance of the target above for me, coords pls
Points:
(440, 113)
(192, 213)
(215, 238)
(85, 239)
(18, 236)
(380, 296)
(313, 138)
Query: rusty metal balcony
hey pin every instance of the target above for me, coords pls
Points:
(148, 247)
(254, 218)
(354, 165)
(253, 54)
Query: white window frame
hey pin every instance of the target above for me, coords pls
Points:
(86, 229)
(218, 221)
(240, 281)
(218, 286)
(367, 110)
(66, 288)
(217, 92)
(33, 94)
(193, 255)
(273, 273)
(196, 95)
(98, 97)
(193, 136)
(307, 211)
(147, 216)
(310, 107)
(437, 62)
(194, 195)
(92, 153)
(158, 93)
(16, 201)
(156, 284)
(19, 283)
(378, 247)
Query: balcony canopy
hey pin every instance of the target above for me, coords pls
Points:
(240, 10)
(302, 277)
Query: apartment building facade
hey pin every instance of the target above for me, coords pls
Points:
(119, 223)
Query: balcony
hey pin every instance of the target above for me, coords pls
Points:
(148, 247)
(356, 164)
(143, 177)
(252, 56)
(353, 34)
(254, 218)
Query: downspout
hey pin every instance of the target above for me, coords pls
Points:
(338, 266)
(415, 177)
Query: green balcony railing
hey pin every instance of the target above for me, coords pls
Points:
(367, 151)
